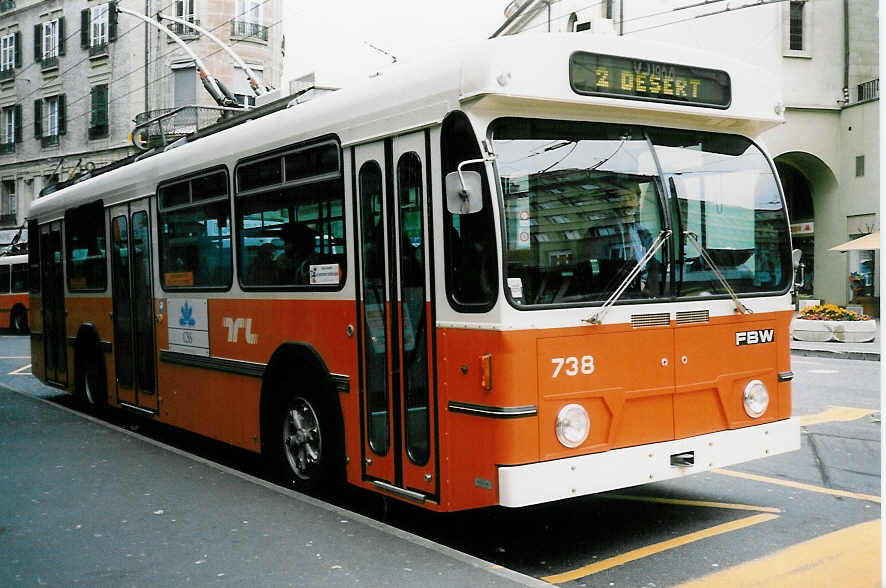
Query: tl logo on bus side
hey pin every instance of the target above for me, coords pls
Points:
(234, 325)
(754, 337)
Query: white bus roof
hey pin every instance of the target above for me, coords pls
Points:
(528, 69)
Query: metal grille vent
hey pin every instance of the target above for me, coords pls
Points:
(661, 319)
(693, 316)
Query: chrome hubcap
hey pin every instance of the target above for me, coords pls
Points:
(87, 389)
(301, 438)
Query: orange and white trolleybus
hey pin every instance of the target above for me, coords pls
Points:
(531, 268)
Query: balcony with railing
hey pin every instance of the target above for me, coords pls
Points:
(184, 31)
(869, 90)
(7, 74)
(249, 30)
(8, 220)
(49, 140)
(98, 50)
(7, 5)
(7, 148)
(50, 62)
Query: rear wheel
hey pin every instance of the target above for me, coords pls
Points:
(92, 387)
(19, 320)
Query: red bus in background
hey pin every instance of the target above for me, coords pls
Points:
(14, 299)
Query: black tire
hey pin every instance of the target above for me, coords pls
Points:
(92, 386)
(309, 450)
(19, 320)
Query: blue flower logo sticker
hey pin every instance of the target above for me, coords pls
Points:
(187, 317)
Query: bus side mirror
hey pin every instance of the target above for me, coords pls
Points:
(464, 192)
(796, 254)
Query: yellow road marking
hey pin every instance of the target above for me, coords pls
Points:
(21, 371)
(798, 485)
(846, 558)
(834, 414)
(659, 547)
(682, 502)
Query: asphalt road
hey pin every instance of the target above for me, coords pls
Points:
(811, 515)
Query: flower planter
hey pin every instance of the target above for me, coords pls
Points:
(843, 331)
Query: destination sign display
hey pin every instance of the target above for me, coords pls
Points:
(622, 77)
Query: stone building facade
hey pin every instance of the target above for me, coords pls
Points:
(74, 75)
(827, 152)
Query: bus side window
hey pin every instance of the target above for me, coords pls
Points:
(20, 277)
(469, 248)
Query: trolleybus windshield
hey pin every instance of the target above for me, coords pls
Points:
(583, 203)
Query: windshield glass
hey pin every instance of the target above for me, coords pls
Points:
(583, 205)
(728, 198)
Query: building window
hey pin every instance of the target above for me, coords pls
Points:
(796, 26)
(49, 119)
(98, 35)
(241, 88)
(247, 20)
(50, 39)
(11, 122)
(52, 116)
(98, 27)
(184, 9)
(10, 52)
(49, 42)
(98, 120)
(7, 217)
(859, 166)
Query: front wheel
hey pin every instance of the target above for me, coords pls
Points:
(307, 442)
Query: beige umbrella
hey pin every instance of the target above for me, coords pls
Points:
(871, 241)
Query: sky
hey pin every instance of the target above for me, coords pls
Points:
(331, 37)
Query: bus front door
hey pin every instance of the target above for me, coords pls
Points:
(55, 345)
(134, 344)
(396, 324)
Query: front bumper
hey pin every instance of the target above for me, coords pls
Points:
(619, 468)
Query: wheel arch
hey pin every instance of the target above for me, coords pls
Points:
(302, 363)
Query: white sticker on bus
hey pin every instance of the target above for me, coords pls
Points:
(327, 273)
(188, 326)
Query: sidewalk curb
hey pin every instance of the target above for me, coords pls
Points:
(860, 355)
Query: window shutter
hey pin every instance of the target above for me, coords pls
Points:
(38, 43)
(61, 35)
(103, 105)
(62, 115)
(84, 28)
(18, 123)
(18, 49)
(38, 119)
(94, 99)
(112, 22)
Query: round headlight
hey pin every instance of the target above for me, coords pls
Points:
(573, 425)
(756, 398)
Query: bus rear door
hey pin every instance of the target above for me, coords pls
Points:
(134, 344)
(397, 391)
(55, 345)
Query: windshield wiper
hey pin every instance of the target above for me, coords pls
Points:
(656, 244)
(693, 238)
